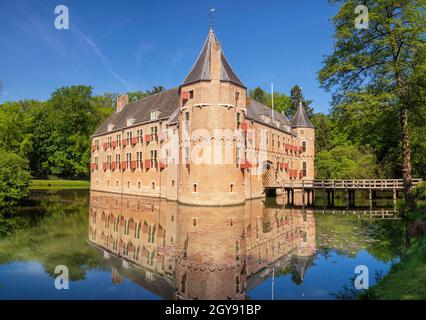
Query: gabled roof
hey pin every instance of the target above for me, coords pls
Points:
(200, 71)
(255, 111)
(165, 103)
(301, 119)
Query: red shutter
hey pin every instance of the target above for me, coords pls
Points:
(134, 141)
(147, 138)
(162, 164)
(184, 95)
(123, 165)
(148, 164)
(133, 164)
(114, 144)
(244, 126)
(113, 165)
(124, 142)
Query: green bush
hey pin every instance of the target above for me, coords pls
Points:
(14, 178)
(420, 191)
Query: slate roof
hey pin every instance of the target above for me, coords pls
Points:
(165, 103)
(200, 71)
(301, 119)
(255, 110)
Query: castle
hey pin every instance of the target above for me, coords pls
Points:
(202, 143)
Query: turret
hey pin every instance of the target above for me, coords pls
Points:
(305, 131)
(213, 104)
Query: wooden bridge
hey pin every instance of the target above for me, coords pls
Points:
(274, 181)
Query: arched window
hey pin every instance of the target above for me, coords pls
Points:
(304, 146)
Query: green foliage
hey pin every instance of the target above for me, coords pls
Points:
(51, 230)
(420, 191)
(406, 280)
(296, 97)
(346, 162)
(54, 136)
(377, 75)
(14, 178)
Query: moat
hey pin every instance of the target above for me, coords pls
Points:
(143, 248)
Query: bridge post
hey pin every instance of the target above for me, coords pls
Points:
(394, 196)
(303, 194)
(332, 197)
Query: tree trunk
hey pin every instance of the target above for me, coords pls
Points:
(406, 160)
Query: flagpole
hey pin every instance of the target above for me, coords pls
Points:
(272, 93)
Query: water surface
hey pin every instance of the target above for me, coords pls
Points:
(140, 248)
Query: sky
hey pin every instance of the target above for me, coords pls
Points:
(129, 45)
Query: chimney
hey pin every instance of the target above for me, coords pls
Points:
(122, 100)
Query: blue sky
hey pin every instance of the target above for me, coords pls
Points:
(117, 46)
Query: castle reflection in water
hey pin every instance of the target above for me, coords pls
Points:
(186, 252)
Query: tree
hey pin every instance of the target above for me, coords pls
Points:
(258, 94)
(155, 89)
(296, 97)
(346, 162)
(383, 62)
(14, 178)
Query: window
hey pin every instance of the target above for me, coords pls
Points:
(231, 187)
(237, 95)
(186, 123)
(139, 159)
(109, 161)
(128, 184)
(139, 134)
(154, 115)
(154, 133)
(128, 159)
(304, 146)
(194, 187)
(237, 156)
(194, 222)
(138, 231)
(273, 139)
(191, 94)
(304, 169)
(97, 144)
(117, 160)
(173, 183)
(110, 127)
(238, 120)
(129, 137)
(187, 155)
(153, 187)
(130, 121)
(96, 161)
(118, 139)
(109, 142)
(139, 184)
(153, 158)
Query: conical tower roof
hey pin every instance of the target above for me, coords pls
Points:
(301, 119)
(200, 71)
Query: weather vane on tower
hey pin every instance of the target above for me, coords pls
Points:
(212, 10)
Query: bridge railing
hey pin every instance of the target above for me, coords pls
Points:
(390, 184)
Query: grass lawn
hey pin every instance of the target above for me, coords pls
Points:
(407, 279)
(59, 184)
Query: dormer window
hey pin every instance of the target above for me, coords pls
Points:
(154, 115)
(277, 123)
(110, 127)
(130, 121)
(191, 94)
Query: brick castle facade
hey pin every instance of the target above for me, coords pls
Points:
(202, 143)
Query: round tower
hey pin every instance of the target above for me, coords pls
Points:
(305, 131)
(212, 107)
